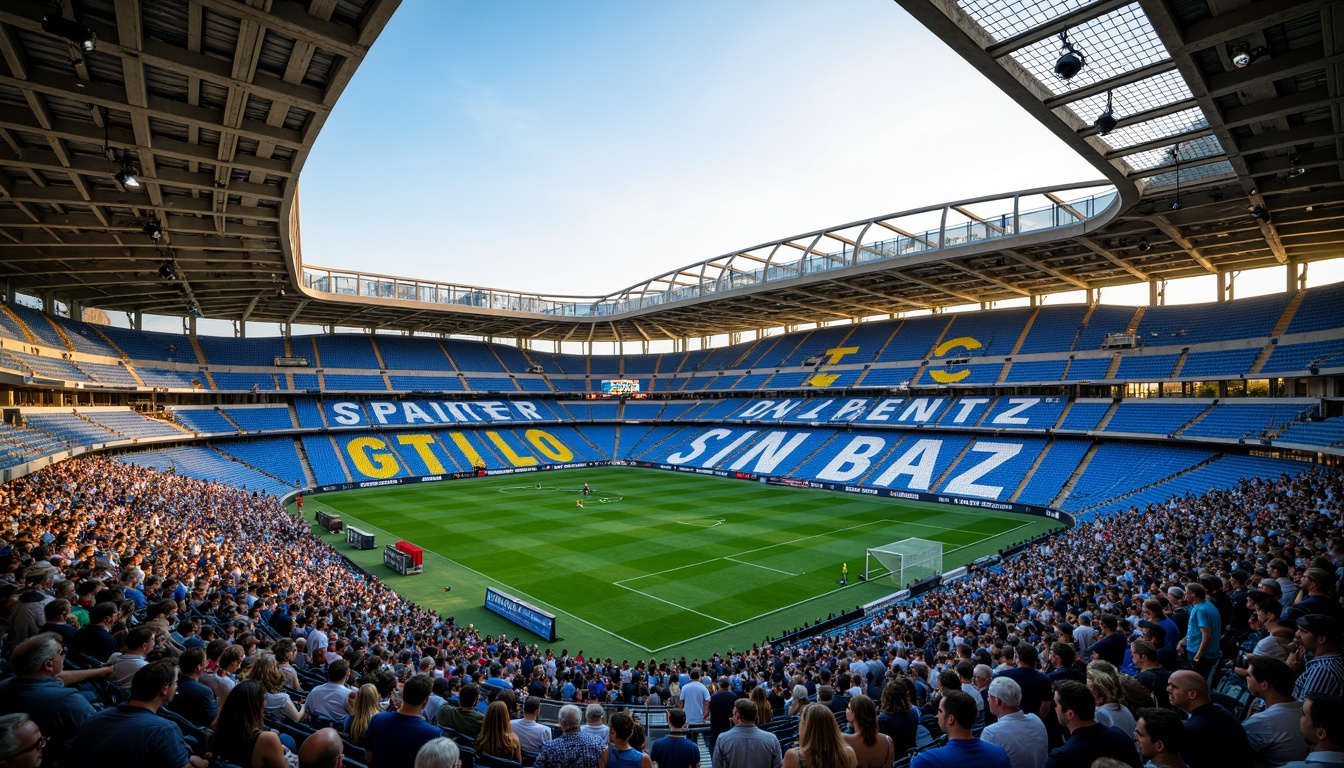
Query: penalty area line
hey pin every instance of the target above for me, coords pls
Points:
(758, 565)
(674, 605)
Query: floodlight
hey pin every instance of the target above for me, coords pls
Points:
(153, 230)
(55, 24)
(166, 271)
(1259, 212)
(1243, 55)
(1176, 205)
(126, 177)
(1144, 247)
(1070, 60)
(1105, 122)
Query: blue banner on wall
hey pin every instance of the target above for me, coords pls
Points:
(524, 614)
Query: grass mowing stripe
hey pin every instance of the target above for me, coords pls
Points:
(721, 551)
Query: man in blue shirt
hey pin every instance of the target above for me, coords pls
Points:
(675, 750)
(956, 716)
(394, 738)
(1204, 633)
(132, 734)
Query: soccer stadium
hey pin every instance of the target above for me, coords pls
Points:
(899, 491)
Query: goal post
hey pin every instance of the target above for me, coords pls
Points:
(904, 561)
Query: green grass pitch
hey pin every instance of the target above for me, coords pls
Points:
(656, 563)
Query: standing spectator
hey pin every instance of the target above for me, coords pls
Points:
(619, 753)
(132, 734)
(1152, 675)
(720, 711)
(394, 738)
(193, 701)
(318, 643)
(1213, 737)
(21, 742)
(1160, 736)
(1021, 735)
(1274, 734)
(745, 745)
(1088, 740)
(956, 717)
(675, 750)
(1318, 635)
(532, 736)
(1204, 633)
(1034, 684)
(572, 749)
(1319, 585)
(819, 742)
(1111, 646)
(695, 699)
(899, 718)
(872, 748)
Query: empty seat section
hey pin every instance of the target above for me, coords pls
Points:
(326, 465)
(42, 330)
(790, 379)
(1025, 412)
(264, 382)
(1085, 414)
(1143, 465)
(344, 440)
(1145, 367)
(129, 424)
(276, 457)
(915, 339)
(346, 351)
(1105, 321)
(474, 356)
(207, 421)
(490, 384)
(1088, 369)
(605, 366)
(808, 461)
(68, 427)
(1300, 357)
(986, 373)
(1229, 363)
(996, 330)
(1154, 417)
(514, 359)
(1184, 324)
(1054, 330)
(1321, 309)
(640, 364)
(305, 382)
(652, 442)
(18, 446)
(1327, 432)
(814, 346)
(1249, 420)
(206, 464)
(605, 411)
(268, 419)
(426, 383)
(310, 414)
(642, 411)
(1049, 478)
(753, 382)
(630, 437)
(49, 367)
(260, 350)
(412, 353)
(595, 444)
(86, 338)
(884, 377)
(10, 329)
(1036, 370)
(354, 382)
(532, 384)
(148, 345)
(164, 377)
(115, 375)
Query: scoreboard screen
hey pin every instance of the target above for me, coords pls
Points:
(620, 386)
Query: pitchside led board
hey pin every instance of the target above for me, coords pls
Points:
(524, 614)
(620, 386)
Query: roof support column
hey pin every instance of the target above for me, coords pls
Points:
(1156, 294)
(1222, 286)
(1091, 296)
(191, 325)
(138, 319)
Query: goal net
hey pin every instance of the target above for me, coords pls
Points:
(904, 561)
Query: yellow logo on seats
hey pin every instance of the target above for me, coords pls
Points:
(961, 342)
(833, 356)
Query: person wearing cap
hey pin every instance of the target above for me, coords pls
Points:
(1322, 725)
(1318, 635)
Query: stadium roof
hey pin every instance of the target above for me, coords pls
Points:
(215, 104)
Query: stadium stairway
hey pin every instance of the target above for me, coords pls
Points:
(309, 478)
(1077, 474)
(1198, 418)
(1280, 328)
(1110, 412)
(1030, 473)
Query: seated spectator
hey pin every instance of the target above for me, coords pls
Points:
(1274, 734)
(1213, 737)
(439, 753)
(193, 701)
(956, 717)
(356, 724)
(125, 664)
(1113, 693)
(58, 620)
(266, 671)
(1322, 723)
(394, 738)
(57, 711)
(464, 718)
(323, 749)
(1323, 672)
(497, 737)
(1021, 735)
(571, 749)
(898, 720)
(241, 736)
(331, 700)
(1075, 707)
(619, 753)
(21, 742)
(132, 735)
(221, 680)
(532, 736)
(1160, 736)
(96, 640)
(871, 748)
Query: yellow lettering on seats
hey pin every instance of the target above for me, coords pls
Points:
(379, 465)
(509, 455)
(548, 445)
(421, 445)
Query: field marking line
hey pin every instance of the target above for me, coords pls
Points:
(511, 589)
(702, 523)
(758, 565)
(675, 605)
(815, 597)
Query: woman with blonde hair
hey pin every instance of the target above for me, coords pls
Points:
(819, 742)
(265, 669)
(872, 748)
(497, 737)
(762, 702)
(1113, 693)
(799, 701)
(356, 725)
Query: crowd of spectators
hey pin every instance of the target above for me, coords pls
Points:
(130, 596)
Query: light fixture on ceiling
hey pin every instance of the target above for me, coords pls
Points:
(153, 230)
(1144, 247)
(1259, 212)
(166, 271)
(1217, 195)
(127, 177)
(1176, 158)
(1295, 168)
(56, 24)
(1105, 122)
(280, 293)
(1243, 55)
(1070, 61)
